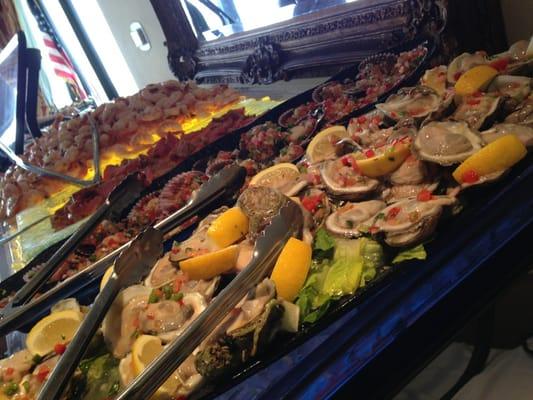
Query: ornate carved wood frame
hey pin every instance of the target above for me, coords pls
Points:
(315, 44)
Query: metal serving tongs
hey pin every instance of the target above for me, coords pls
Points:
(132, 265)
(287, 223)
(221, 188)
(123, 196)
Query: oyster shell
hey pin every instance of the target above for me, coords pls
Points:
(523, 114)
(414, 102)
(409, 221)
(260, 204)
(463, 63)
(523, 132)
(516, 87)
(345, 182)
(345, 220)
(446, 143)
(435, 78)
(477, 110)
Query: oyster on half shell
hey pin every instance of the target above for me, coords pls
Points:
(345, 220)
(413, 102)
(523, 132)
(344, 181)
(476, 110)
(446, 143)
(523, 114)
(409, 221)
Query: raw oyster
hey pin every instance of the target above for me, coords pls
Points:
(477, 110)
(344, 181)
(414, 102)
(516, 87)
(463, 63)
(435, 78)
(523, 132)
(239, 345)
(447, 142)
(345, 220)
(523, 114)
(132, 314)
(409, 221)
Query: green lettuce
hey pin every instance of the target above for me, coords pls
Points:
(323, 245)
(373, 258)
(414, 253)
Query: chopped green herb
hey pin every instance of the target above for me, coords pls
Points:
(153, 298)
(63, 337)
(167, 291)
(349, 224)
(113, 390)
(37, 359)
(92, 258)
(380, 216)
(26, 386)
(136, 333)
(11, 389)
(177, 296)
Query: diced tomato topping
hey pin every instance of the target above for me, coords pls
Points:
(42, 373)
(60, 348)
(136, 323)
(150, 316)
(373, 229)
(370, 153)
(457, 75)
(470, 176)
(500, 64)
(477, 94)
(473, 102)
(346, 161)
(394, 114)
(361, 119)
(424, 195)
(393, 212)
(376, 120)
(311, 203)
(178, 283)
(9, 371)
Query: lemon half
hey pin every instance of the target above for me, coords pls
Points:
(209, 265)
(291, 268)
(58, 327)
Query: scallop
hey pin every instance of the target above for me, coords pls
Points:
(447, 143)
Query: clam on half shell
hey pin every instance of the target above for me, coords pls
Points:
(446, 143)
(345, 220)
(345, 183)
(412, 102)
(409, 221)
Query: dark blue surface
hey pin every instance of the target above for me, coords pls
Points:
(320, 366)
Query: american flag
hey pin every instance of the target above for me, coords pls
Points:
(63, 68)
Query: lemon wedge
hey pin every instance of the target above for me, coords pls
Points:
(106, 277)
(209, 265)
(497, 156)
(228, 227)
(322, 147)
(475, 79)
(58, 327)
(384, 163)
(291, 268)
(271, 177)
(144, 350)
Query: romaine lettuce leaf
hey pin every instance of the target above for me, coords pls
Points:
(418, 253)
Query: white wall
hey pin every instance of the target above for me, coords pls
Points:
(518, 17)
(146, 66)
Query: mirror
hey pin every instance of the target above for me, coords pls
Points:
(214, 19)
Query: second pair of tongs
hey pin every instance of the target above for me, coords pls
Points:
(133, 264)
(287, 223)
(123, 196)
(220, 189)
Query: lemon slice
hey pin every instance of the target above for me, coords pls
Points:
(322, 147)
(228, 227)
(106, 277)
(209, 265)
(291, 268)
(144, 350)
(271, 177)
(475, 79)
(386, 162)
(58, 327)
(497, 156)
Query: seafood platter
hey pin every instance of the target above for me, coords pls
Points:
(317, 212)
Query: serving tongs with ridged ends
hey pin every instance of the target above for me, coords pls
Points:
(220, 189)
(287, 223)
(131, 266)
(122, 197)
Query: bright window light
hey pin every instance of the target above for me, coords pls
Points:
(70, 41)
(102, 39)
